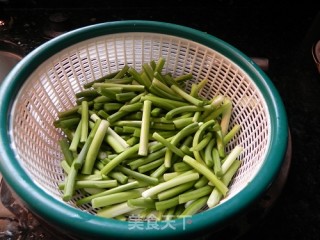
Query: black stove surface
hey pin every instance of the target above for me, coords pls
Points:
(270, 30)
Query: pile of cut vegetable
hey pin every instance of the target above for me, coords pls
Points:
(137, 143)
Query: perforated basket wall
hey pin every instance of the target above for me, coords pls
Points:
(52, 86)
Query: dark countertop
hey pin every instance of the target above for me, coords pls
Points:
(272, 30)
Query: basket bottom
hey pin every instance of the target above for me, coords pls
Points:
(21, 223)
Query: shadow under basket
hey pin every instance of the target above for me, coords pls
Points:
(45, 82)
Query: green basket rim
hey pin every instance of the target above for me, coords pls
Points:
(85, 224)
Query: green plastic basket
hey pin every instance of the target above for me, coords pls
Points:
(45, 82)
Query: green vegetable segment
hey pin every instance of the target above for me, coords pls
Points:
(136, 141)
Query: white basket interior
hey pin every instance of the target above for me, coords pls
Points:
(52, 87)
